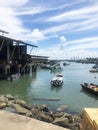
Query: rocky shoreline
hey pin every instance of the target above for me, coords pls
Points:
(40, 112)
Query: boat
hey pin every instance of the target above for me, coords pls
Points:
(56, 68)
(65, 64)
(95, 66)
(57, 80)
(45, 66)
(92, 88)
(94, 70)
(14, 77)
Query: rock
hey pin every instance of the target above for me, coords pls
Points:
(61, 122)
(62, 108)
(24, 104)
(35, 113)
(27, 106)
(44, 117)
(3, 98)
(69, 116)
(28, 113)
(3, 105)
(19, 109)
(41, 112)
(20, 102)
(43, 108)
(77, 118)
(40, 115)
(9, 96)
(58, 114)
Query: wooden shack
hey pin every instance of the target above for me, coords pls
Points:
(13, 57)
(39, 59)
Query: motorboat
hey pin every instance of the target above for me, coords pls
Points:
(92, 88)
(57, 80)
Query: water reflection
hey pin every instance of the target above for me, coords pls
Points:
(56, 89)
(89, 94)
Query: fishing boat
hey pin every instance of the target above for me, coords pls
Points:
(92, 88)
(57, 80)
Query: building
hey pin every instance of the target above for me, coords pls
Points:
(14, 57)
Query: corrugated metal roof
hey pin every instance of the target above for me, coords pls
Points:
(17, 41)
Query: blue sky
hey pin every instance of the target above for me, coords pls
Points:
(61, 29)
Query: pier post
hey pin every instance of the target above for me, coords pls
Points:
(19, 68)
(7, 70)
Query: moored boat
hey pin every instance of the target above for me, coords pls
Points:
(93, 70)
(92, 88)
(65, 64)
(57, 80)
(14, 77)
(95, 66)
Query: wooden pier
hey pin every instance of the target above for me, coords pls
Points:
(14, 57)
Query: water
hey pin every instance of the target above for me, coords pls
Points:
(37, 85)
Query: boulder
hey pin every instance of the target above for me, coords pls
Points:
(27, 106)
(20, 102)
(19, 109)
(9, 96)
(44, 117)
(3, 98)
(28, 113)
(3, 105)
(69, 116)
(58, 114)
(42, 108)
(61, 122)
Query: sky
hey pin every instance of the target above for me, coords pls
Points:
(62, 29)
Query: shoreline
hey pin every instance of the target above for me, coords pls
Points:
(41, 112)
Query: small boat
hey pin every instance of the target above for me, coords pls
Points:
(93, 70)
(56, 68)
(65, 64)
(14, 77)
(95, 66)
(92, 88)
(57, 80)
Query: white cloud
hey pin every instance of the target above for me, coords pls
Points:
(35, 35)
(75, 14)
(78, 48)
(10, 22)
(62, 41)
(84, 40)
(12, 2)
(40, 7)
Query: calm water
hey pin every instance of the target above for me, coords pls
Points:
(71, 94)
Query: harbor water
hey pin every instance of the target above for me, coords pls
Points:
(37, 85)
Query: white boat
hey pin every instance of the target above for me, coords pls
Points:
(14, 77)
(57, 80)
(56, 68)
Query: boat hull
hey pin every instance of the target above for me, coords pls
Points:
(89, 90)
(56, 83)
